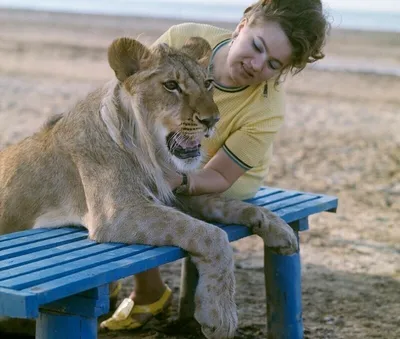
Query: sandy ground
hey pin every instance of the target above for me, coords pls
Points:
(340, 138)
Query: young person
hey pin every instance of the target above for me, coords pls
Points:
(273, 38)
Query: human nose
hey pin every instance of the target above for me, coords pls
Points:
(258, 62)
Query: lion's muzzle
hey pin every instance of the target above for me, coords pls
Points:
(183, 147)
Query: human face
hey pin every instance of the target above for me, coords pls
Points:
(258, 53)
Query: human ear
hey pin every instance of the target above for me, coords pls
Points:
(240, 26)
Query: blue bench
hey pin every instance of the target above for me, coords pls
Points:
(61, 278)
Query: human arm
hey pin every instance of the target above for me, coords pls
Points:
(216, 177)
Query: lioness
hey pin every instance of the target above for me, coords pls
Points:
(104, 165)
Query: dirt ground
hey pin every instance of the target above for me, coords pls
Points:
(340, 138)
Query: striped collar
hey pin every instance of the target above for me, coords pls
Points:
(210, 70)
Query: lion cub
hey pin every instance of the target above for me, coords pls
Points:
(103, 165)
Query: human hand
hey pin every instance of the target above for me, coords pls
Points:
(174, 179)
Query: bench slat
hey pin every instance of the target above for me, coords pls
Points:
(34, 237)
(292, 201)
(115, 252)
(266, 201)
(44, 254)
(103, 274)
(20, 234)
(49, 242)
(264, 192)
(52, 262)
(307, 208)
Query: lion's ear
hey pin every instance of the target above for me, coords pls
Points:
(198, 49)
(126, 56)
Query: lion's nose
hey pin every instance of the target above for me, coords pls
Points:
(209, 122)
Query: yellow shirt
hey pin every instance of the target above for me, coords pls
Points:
(249, 120)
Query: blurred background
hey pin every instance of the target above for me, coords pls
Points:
(359, 14)
(340, 137)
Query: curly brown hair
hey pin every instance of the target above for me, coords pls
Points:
(303, 22)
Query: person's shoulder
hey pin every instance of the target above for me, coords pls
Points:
(269, 90)
(268, 99)
(212, 34)
(194, 26)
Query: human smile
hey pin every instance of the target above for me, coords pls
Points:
(247, 71)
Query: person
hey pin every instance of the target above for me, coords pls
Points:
(273, 38)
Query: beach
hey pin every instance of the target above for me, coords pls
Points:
(340, 137)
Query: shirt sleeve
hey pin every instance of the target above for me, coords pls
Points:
(249, 145)
(164, 38)
(176, 35)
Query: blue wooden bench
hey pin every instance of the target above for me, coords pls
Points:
(61, 278)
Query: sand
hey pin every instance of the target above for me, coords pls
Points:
(340, 138)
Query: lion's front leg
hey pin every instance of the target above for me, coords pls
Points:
(276, 233)
(158, 225)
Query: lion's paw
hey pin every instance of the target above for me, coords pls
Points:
(278, 236)
(216, 310)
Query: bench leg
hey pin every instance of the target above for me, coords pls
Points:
(61, 326)
(189, 279)
(73, 317)
(283, 291)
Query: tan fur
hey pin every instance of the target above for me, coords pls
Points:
(104, 165)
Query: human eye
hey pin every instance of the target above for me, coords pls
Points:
(257, 46)
(274, 65)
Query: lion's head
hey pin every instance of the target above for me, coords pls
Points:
(166, 98)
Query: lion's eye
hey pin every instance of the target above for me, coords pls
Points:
(172, 85)
(208, 83)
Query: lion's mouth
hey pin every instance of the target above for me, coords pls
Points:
(182, 147)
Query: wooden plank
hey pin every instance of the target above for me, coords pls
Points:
(64, 269)
(263, 192)
(39, 255)
(292, 201)
(300, 224)
(18, 304)
(64, 259)
(30, 247)
(20, 234)
(104, 273)
(266, 201)
(78, 306)
(82, 304)
(96, 293)
(37, 236)
(307, 208)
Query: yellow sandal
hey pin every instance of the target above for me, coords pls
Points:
(129, 316)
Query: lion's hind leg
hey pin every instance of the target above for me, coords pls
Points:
(208, 247)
